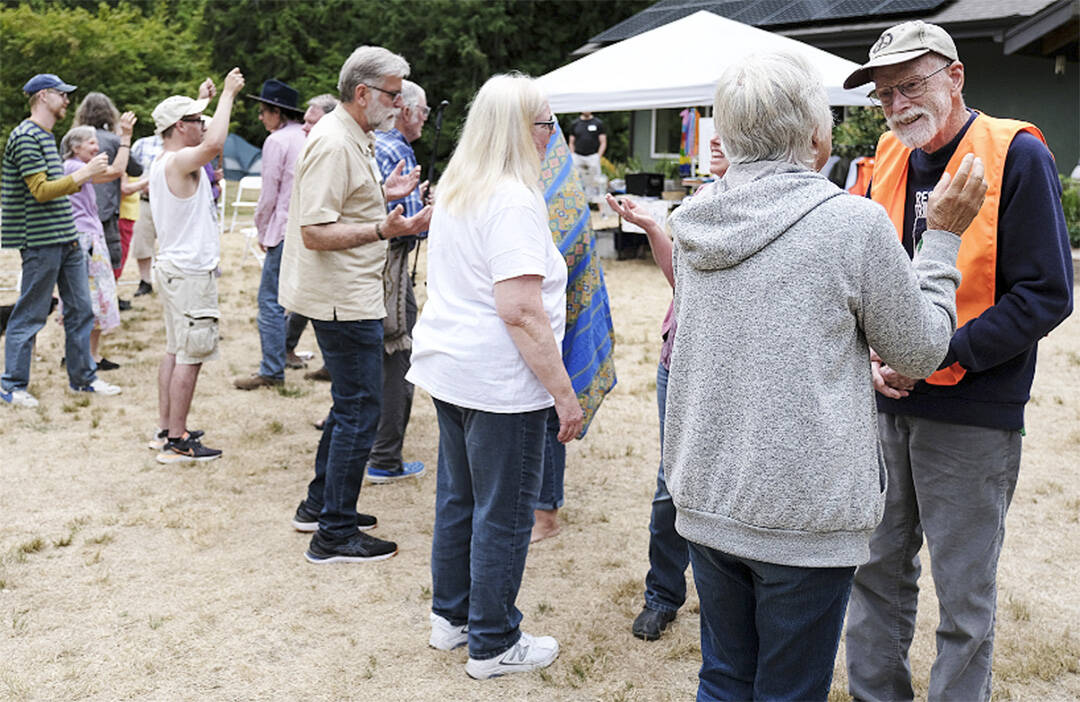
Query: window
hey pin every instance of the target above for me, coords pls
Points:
(666, 132)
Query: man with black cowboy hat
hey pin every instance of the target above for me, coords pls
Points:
(951, 442)
(280, 114)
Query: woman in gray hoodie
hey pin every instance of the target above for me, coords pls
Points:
(783, 282)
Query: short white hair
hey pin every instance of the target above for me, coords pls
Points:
(411, 93)
(325, 102)
(74, 138)
(496, 143)
(770, 107)
(368, 64)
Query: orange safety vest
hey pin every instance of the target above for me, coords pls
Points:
(989, 139)
(864, 172)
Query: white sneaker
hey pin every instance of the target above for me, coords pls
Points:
(18, 398)
(99, 387)
(445, 636)
(529, 653)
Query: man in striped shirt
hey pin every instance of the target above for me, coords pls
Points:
(38, 222)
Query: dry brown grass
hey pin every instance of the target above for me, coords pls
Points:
(123, 579)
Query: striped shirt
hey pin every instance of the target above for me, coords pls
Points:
(26, 222)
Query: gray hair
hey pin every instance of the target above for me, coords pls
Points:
(74, 138)
(368, 64)
(325, 102)
(769, 107)
(411, 93)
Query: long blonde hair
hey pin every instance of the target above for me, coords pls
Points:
(496, 143)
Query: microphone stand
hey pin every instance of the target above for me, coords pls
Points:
(432, 176)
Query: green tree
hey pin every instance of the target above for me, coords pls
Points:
(858, 134)
(135, 59)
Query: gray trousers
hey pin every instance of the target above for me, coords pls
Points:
(397, 399)
(952, 483)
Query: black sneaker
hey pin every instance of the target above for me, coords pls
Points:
(123, 305)
(106, 365)
(144, 289)
(306, 519)
(358, 548)
(185, 450)
(157, 443)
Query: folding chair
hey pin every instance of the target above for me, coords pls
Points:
(251, 246)
(250, 184)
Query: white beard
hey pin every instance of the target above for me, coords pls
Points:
(914, 134)
(380, 117)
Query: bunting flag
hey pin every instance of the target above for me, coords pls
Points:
(589, 342)
(688, 140)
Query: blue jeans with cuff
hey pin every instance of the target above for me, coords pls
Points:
(271, 317)
(488, 482)
(44, 267)
(768, 631)
(352, 352)
(551, 480)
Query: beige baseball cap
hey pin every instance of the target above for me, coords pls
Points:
(170, 110)
(904, 42)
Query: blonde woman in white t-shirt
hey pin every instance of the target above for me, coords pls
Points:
(487, 349)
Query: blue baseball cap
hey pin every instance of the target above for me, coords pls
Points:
(44, 81)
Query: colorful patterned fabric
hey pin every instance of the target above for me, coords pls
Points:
(589, 342)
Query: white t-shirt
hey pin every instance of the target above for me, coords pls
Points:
(187, 229)
(462, 352)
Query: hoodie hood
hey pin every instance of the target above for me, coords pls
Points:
(746, 210)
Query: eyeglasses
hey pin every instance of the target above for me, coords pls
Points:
(910, 89)
(424, 111)
(394, 94)
(549, 125)
(194, 118)
(59, 93)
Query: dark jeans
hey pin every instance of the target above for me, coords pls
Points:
(397, 397)
(294, 327)
(768, 632)
(352, 352)
(551, 480)
(43, 268)
(669, 553)
(488, 481)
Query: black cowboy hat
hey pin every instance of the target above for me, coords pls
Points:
(280, 95)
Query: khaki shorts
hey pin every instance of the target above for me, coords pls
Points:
(191, 313)
(145, 236)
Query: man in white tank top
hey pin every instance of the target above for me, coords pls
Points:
(188, 253)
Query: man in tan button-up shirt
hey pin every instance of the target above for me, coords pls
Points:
(331, 272)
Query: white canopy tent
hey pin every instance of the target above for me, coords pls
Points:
(677, 65)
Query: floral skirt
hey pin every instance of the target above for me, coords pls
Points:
(102, 284)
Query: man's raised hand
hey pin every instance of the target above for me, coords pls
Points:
(398, 184)
(396, 225)
(956, 200)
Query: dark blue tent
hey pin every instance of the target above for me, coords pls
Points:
(241, 158)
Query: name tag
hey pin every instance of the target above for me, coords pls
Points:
(592, 127)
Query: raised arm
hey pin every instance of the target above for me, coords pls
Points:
(659, 242)
(119, 165)
(192, 158)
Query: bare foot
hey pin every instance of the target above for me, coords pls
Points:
(545, 525)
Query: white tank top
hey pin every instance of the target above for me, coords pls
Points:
(187, 228)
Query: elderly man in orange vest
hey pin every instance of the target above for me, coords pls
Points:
(952, 441)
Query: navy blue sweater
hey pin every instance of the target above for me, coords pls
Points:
(1033, 293)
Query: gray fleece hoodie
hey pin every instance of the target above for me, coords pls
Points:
(782, 280)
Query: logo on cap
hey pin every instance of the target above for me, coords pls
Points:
(882, 43)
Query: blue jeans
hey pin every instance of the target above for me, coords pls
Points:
(768, 632)
(352, 352)
(271, 317)
(669, 554)
(488, 482)
(551, 481)
(43, 267)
